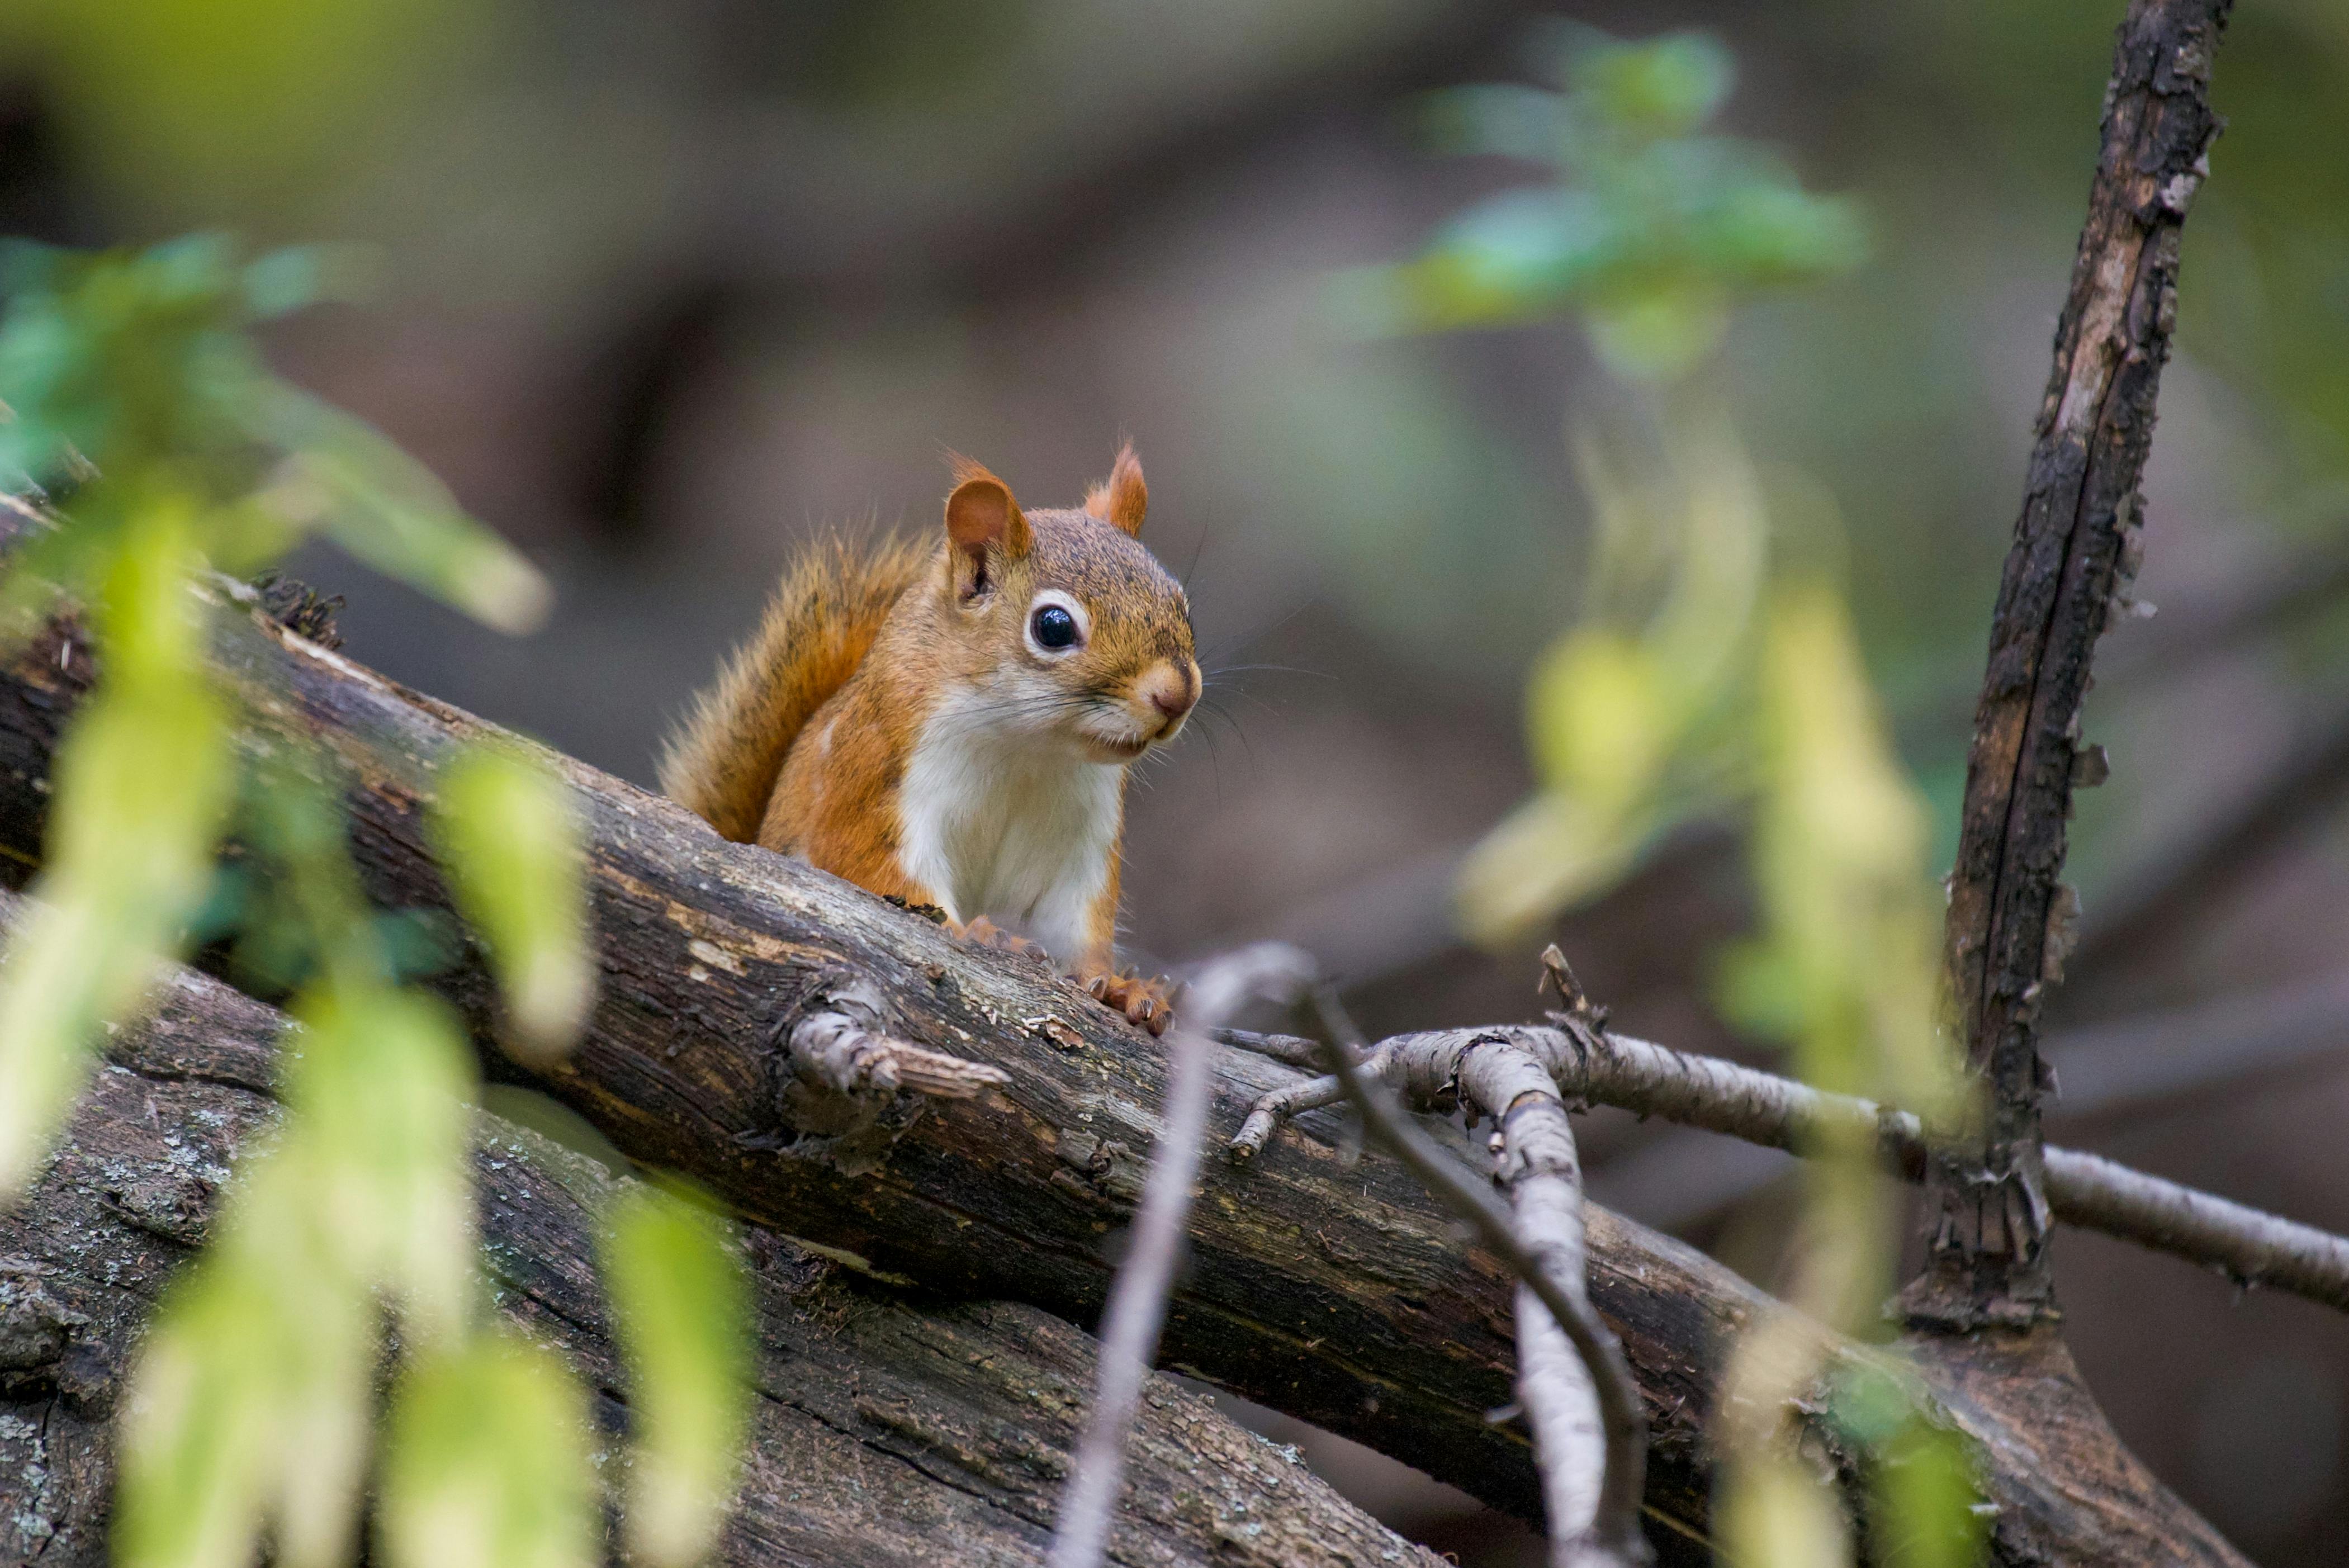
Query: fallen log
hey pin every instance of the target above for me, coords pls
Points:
(1334, 1291)
(884, 1430)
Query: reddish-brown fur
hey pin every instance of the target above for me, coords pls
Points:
(723, 761)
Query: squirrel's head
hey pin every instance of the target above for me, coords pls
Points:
(1061, 623)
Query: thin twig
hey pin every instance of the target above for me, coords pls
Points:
(1289, 1050)
(1615, 1527)
(2082, 1190)
(1541, 1173)
(1137, 1300)
(2147, 1065)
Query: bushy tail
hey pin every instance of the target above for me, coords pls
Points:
(723, 761)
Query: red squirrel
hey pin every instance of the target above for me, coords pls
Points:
(952, 725)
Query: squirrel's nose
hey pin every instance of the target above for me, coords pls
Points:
(1172, 691)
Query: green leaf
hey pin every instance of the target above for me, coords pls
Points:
(388, 510)
(1604, 716)
(285, 281)
(250, 1399)
(126, 359)
(1925, 1505)
(486, 1461)
(683, 1309)
(1668, 86)
(505, 830)
(141, 785)
(1850, 920)
(1549, 854)
(380, 1086)
(64, 972)
(1776, 1514)
(1649, 229)
(1497, 119)
(196, 1427)
(1659, 332)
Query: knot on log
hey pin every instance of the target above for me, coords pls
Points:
(832, 1051)
(43, 1343)
(841, 1076)
(34, 1327)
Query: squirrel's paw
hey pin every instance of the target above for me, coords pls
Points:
(1149, 1003)
(985, 933)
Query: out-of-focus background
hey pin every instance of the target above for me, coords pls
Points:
(663, 288)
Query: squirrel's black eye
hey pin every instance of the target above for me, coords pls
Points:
(1053, 625)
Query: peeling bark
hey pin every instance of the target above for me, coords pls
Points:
(2066, 579)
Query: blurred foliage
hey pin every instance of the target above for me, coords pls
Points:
(502, 826)
(683, 1315)
(1926, 1512)
(158, 460)
(1649, 230)
(187, 104)
(1716, 667)
(1847, 966)
(487, 1463)
(140, 785)
(1630, 711)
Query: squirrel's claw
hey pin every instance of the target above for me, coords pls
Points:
(1149, 1004)
(985, 933)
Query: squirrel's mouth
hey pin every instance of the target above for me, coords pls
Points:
(1120, 750)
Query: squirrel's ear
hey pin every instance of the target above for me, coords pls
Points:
(1120, 498)
(981, 512)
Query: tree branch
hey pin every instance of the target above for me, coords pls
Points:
(883, 1428)
(2082, 1190)
(2066, 578)
(1336, 1292)
(2147, 1065)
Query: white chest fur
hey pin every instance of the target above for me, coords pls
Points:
(1004, 824)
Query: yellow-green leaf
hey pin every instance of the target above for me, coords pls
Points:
(1776, 1514)
(504, 829)
(1549, 854)
(683, 1308)
(141, 785)
(195, 1430)
(1925, 1501)
(250, 1401)
(380, 1084)
(388, 510)
(486, 1462)
(1604, 717)
(1849, 920)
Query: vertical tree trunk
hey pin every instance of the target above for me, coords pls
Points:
(2075, 549)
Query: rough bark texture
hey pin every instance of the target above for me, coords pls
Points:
(1336, 1292)
(2065, 579)
(885, 1430)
